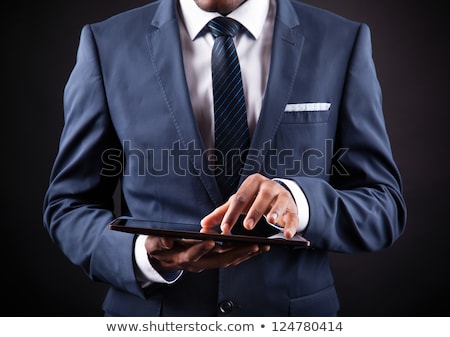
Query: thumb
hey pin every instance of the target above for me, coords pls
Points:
(214, 218)
(156, 243)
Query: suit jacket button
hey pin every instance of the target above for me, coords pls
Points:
(225, 307)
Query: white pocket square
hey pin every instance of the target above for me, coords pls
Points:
(307, 107)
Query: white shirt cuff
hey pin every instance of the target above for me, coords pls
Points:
(300, 200)
(145, 273)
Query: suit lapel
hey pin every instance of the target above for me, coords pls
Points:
(286, 52)
(167, 59)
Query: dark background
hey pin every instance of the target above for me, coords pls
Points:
(411, 51)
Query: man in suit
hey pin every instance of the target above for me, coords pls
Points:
(319, 161)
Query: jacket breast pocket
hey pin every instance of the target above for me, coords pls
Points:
(304, 117)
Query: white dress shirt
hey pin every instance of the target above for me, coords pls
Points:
(253, 47)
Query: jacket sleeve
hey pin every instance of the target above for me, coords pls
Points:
(78, 204)
(361, 207)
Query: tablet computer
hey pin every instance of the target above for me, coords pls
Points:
(190, 233)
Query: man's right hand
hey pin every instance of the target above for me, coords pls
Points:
(166, 255)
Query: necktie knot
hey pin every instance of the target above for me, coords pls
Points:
(223, 26)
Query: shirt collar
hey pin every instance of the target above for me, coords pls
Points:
(251, 14)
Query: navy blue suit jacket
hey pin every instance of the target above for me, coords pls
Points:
(127, 104)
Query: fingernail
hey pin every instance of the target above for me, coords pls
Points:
(290, 233)
(209, 245)
(273, 217)
(249, 224)
(224, 227)
(255, 249)
(265, 248)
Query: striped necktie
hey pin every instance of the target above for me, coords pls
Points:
(230, 115)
